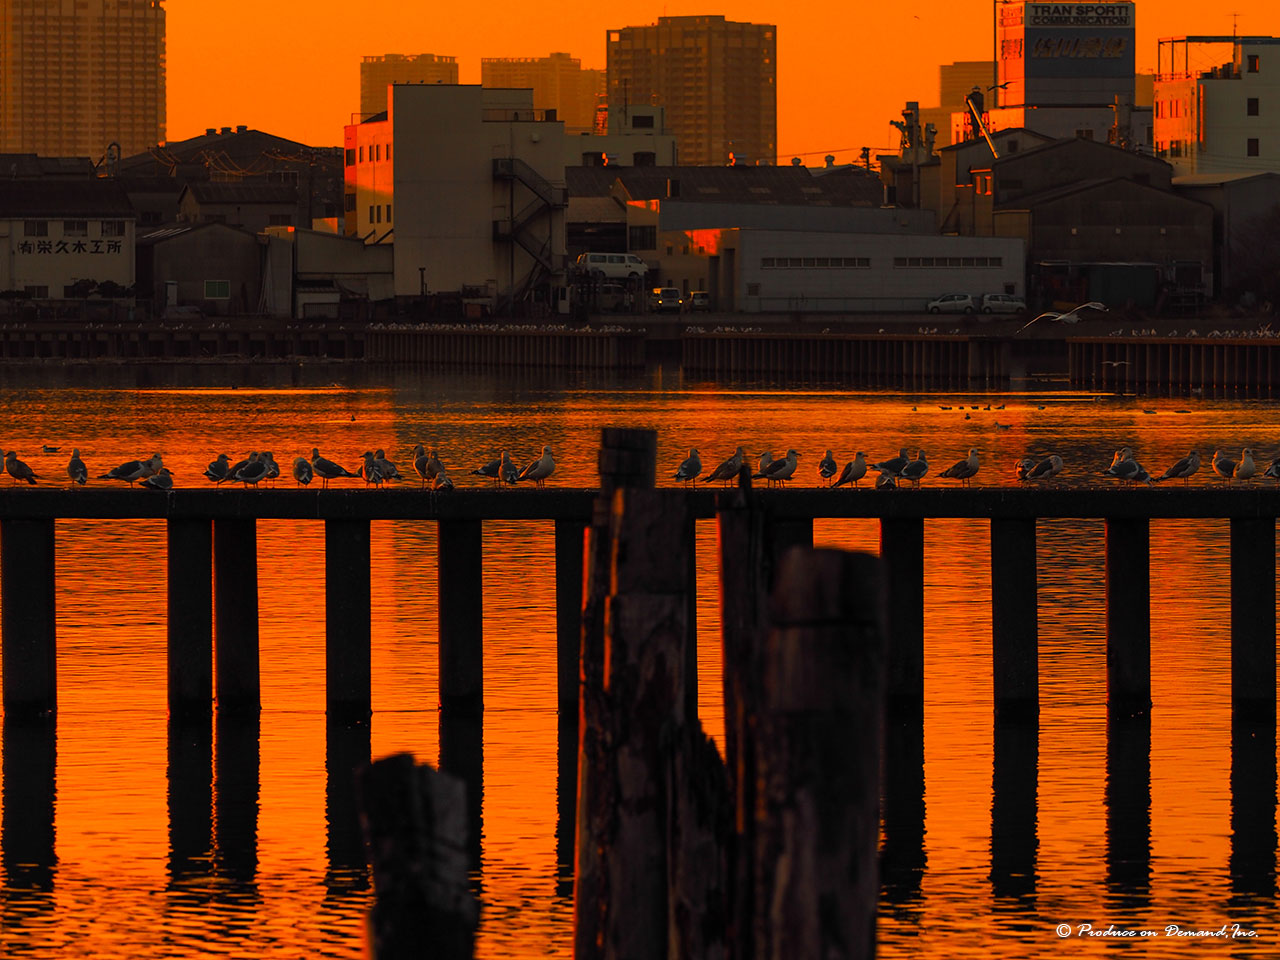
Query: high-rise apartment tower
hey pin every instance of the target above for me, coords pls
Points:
(718, 80)
(79, 75)
(377, 72)
(558, 82)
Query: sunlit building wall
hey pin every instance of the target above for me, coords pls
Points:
(377, 73)
(717, 79)
(77, 77)
(558, 82)
(955, 82)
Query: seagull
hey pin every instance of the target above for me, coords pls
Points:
(220, 470)
(385, 466)
(253, 471)
(893, 465)
(827, 467)
(886, 481)
(273, 468)
(780, 471)
(239, 465)
(1183, 469)
(369, 470)
(302, 471)
(1069, 317)
(492, 470)
(510, 473)
(160, 480)
(1223, 466)
(689, 467)
(1245, 469)
(762, 471)
(76, 469)
(434, 465)
(1022, 468)
(540, 469)
(728, 468)
(1123, 466)
(422, 464)
(964, 469)
(854, 470)
(48, 449)
(915, 469)
(132, 472)
(441, 480)
(17, 469)
(1273, 469)
(327, 470)
(1046, 469)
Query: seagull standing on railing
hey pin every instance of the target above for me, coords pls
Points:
(690, 467)
(780, 471)
(491, 470)
(220, 470)
(161, 480)
(1183, 469)
(963, 470)
(827, 467)
(17, 469)
(1223, 466)
(327, 470)
(385, 466)
(915, 469)
(302, 471)
(728, 469)
(854, 470)
(76, 469)
(1071, 316)
(540, 469)
(1046, 469)
(1245, 469)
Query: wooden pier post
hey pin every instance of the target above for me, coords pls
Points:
(1014, 626)
(347, 611)
(28, 623)
(235, 597)
(1253, 618)
(461, 613)
(1128, 615)
(30, 767)
(820, 746)
(190, 618)
(902, 552)
(570, 545)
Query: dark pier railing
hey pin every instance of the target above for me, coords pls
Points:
(1150, 364)
(221, 525)
(487, 346)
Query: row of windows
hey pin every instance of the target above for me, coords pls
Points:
(1171, 109)
(375, 213)
(375, 154)
(948, 262)
(1177, 148)
(794, 263)
(73, 228)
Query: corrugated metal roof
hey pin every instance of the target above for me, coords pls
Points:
(791, 185)
(52, 199)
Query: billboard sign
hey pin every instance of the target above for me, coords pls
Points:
(1063, 41)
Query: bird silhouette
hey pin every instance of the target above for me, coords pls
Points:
(1071, 316)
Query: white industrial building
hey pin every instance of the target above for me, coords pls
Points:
(1222, 119)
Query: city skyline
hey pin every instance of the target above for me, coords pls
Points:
(318, 87)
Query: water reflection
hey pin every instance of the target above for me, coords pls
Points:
(1128, 800)
(1253, 809)
(1015, 841)
(27, 824)
(236, 792)
(462, 754)
(347, 749)
(190, 776)
(903, 858)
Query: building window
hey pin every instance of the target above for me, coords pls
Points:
(1251, 107)
(280, 220)
(36, 292)
(351, 157)
(642, 122)
(349, 203)
(753, 289)
(371, 213)
(217, 289)
(377, 213)
(766, 263)
(1085, 134)
(1251, 148)
(388, 213)
(113, 228)
(642, 238)
(388, 151)
(1253, 63)
(644, 158)
(361, 154)
(377, 153)
(75, 228)
(35, 228)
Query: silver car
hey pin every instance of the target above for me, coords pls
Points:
(1002, 303)
(952, 303)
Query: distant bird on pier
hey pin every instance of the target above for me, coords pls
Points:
(273, 468)
(728, 470)
(302, 471)
(689, 467)
(1183, 469)
(915, 469)
(220, 470)
(17, 469)
(369, 470)
(161, 480)
(509, 472)
(327, 470)
(422, 464)
(434, 465)
(1046, 469)
(1273, 469)
(780, 471)
(1071, 316)
(1223, 466)
(1022, 468)
(762, 467)
(886, 481)
(134, 470)
(893, 465)
(1246, 468)
(827, 467)
(492, 470)
(441, 481)
(252, 472)
(853, 471)
(76, 469)
(1123, 466)
(385, 466)
(963, 470)
(540, 469)
(48, 449)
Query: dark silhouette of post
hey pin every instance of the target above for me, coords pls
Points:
(1252, 862)
(235, 597)
(237, 755)
(346, 753)
(348, 611)
(461, 612)
(1253, 618)
(570, 544)
(1128, 615)
(1128, 800)
(1015, 778)
(190, 618)
(28, 624)
(190, 777)
(30, 763)
(1014, 626)
(902, 551)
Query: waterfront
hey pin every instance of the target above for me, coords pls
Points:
(113, 889)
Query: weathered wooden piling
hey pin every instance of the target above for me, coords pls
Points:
(569, 545)
(347, 610)
(461, 617)
(28, 623)
(235, 597)
(1128, 574)
(416, 834)
(190, 618)
(902, 552)
(1014, 626)
(819, 752)
(1253, 618)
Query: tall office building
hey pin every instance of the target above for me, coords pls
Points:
(558, 82)
(377, 72)
(718, 80)
(78, 76)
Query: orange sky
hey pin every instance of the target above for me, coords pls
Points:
(291, 67)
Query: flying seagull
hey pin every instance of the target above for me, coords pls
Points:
(1071, 316)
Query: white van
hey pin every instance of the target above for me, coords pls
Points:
(613, 266)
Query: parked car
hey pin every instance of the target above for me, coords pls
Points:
(1002, 303)
(613, 266)
(699, 300)
(952, 303)
(665, 300)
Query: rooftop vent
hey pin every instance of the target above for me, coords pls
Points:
(241, 128)
(225, 130)
(210, 131)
